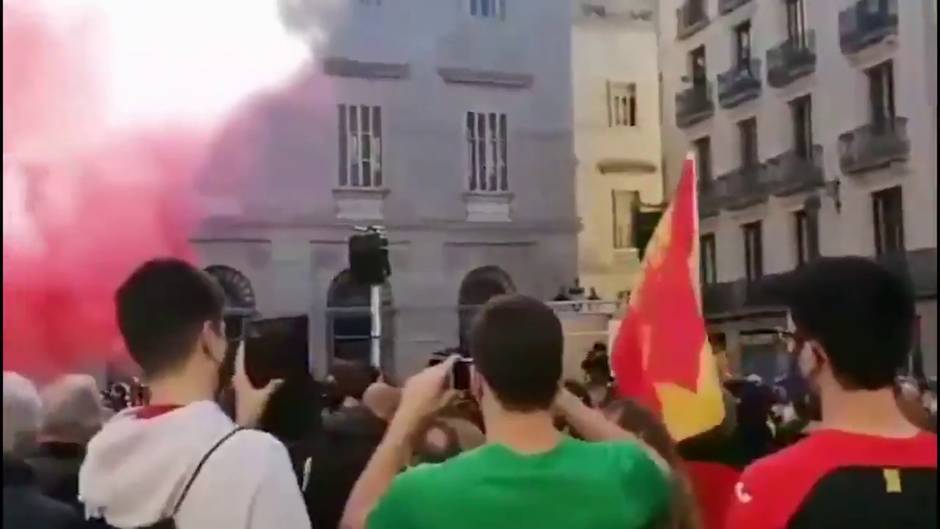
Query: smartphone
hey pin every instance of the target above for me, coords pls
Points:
(276, 348)
(459, 378)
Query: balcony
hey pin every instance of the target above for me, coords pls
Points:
(736, 297)
(710, 194)
(791, 59)
(919, 266)
(739, 84)
(874, 146)
(791, 173)
(746, 186)
(867, 23)
(694, 104)
(690, 18)
(727, 6)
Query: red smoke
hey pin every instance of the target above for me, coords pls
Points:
(88, 196)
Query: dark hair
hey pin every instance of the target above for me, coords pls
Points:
(353, 378)
(860, 312)
(161, 309)
(516, 344)
(293, 413)
(640, 421)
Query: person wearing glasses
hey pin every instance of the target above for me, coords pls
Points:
(849, 328)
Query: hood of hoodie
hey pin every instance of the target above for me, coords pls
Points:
(135, 468)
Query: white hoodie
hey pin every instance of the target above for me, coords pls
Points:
(135, 470)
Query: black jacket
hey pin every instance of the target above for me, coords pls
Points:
(337, 459)
(25, 507)
(56, 467)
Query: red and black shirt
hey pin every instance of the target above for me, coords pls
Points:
(836, 479)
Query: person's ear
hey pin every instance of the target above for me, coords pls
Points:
(211, 342)
(476, 384)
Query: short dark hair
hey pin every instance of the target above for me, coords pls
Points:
(353, 378)
(860, 312)
(516, 343)
(161, 309)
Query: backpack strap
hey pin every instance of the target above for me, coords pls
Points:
(202, 462)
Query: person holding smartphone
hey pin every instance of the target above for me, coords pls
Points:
(181, 459)
(527, 472)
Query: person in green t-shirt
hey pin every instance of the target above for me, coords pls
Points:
(528, 474)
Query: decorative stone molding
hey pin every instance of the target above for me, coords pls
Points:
(488, 207)
(343, 67)
(625, 165)
(360, 203)
(486, 77)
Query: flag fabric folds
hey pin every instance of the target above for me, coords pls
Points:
(661, 356)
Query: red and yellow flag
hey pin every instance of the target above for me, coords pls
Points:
(661, 356)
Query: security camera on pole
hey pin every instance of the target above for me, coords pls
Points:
(368, 263)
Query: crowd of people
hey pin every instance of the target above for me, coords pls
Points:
(840, 442)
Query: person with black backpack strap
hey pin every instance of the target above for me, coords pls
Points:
(181, 462)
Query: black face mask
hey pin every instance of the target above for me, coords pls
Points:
(806, 401)
(225, 394)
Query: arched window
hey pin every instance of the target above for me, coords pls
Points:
(239, 293)
(349, 320)
(476, 289)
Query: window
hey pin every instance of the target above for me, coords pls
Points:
(487, 151)
(708, 270)
(621, 104)
(742, 45)
(747, 130)
(488, 8)
(801, 110)
(806, 237)
(796, 22)
(888, 221)
(753, 251)
(360, 146)
(703, 155)
(624, 204)
(698, 66)
(881, 95)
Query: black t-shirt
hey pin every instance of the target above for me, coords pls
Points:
(835, 480)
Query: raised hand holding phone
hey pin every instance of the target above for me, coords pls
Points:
(249, 400)
(424, 393)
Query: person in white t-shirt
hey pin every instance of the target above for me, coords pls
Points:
(138, 466)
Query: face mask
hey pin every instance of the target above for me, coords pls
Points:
(804, 372)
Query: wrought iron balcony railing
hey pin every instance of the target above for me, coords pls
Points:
(746, 186)
(739, 84)
(866, 23)
(694, 104)
(874, 145)
(691, 18)
(727, 6)
(791, 59)
(794, 172)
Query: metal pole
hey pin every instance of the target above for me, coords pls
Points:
(375, 305)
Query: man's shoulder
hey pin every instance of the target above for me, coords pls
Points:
(251, 452)
(621, 455)
(804, 454)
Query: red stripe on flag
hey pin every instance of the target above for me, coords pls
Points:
(664, 313)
